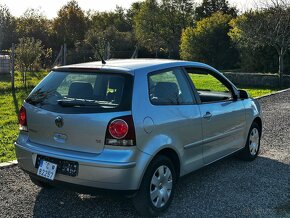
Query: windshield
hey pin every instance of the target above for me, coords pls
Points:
(83, 92)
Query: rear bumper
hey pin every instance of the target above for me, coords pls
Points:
(84, 189)
(113, 169)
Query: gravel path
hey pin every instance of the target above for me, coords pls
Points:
(229, 188)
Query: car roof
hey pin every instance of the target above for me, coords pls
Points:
(130, 65)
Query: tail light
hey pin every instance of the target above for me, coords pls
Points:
(118, 129)
(22, 119)
(121, 132)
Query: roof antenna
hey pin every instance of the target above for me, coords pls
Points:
(103, 61)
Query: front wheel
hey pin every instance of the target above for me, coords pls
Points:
(157, 188)
(252, 147)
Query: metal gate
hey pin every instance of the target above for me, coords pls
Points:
(5, 61)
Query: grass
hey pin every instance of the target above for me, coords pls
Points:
(256, 92)
(32, 79)
(9, 106)
(9, 122)
(207, 82)
(11, 102)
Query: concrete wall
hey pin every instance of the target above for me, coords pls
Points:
(256, 79)
(4, 64)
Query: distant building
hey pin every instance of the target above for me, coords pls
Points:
(4, 64)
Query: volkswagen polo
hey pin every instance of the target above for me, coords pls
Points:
(134, 126)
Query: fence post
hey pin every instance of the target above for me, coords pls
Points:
(107, 51)
(64, 54)
(135, 54)
(59, 58)
(12, 56)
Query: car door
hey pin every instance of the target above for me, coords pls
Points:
(223, 114)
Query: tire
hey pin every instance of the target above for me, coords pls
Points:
(39, 183)
(152, 198)
(252, 147)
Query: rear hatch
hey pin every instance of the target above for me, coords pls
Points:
(71, 110)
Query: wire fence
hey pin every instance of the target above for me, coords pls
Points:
(7, 60)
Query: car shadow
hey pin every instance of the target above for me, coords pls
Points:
(15, 101)
(228, 188)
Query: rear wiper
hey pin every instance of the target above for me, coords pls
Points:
(39, 96)
(77, 102)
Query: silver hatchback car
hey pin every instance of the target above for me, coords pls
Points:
(134, 126)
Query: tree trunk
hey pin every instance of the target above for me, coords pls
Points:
(25, 84)
(12, 67)
(281, 69)
(22, 77)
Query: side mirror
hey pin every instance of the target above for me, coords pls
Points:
(243, 94)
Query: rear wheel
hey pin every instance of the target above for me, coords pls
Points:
(39, 183)
(252, 147)
(157, 188)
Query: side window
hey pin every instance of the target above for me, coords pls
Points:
(169, 87)
(209, 87)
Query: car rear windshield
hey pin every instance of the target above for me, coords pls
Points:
(83, 92)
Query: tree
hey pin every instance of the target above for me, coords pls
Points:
(133, 11)
(268, 26)
(28, 52)
(121, 43)
(158, 26)
(118, 19)
(185, 11)
(70, 25)
(209, 7)
(208, 42)
(176, 15)
(121, 21)
(147, 26)
(34, 24)
(108, 28)
(7, 28)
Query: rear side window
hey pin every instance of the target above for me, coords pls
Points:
(169, 87)
(83, 92)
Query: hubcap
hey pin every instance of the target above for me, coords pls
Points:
(161, 186)
(254, 141)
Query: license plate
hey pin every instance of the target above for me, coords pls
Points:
(64, 167)
(47, 169)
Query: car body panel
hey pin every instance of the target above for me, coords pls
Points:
(131, 66)
(115, 169)
(83, 133)
(228, 135)
(252, 111)
(170, 122)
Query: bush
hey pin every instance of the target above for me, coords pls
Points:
(209, 42)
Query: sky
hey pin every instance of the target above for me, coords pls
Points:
(50, 7)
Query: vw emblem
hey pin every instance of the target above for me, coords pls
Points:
(59, 121)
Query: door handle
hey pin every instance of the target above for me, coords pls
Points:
(208, 115)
